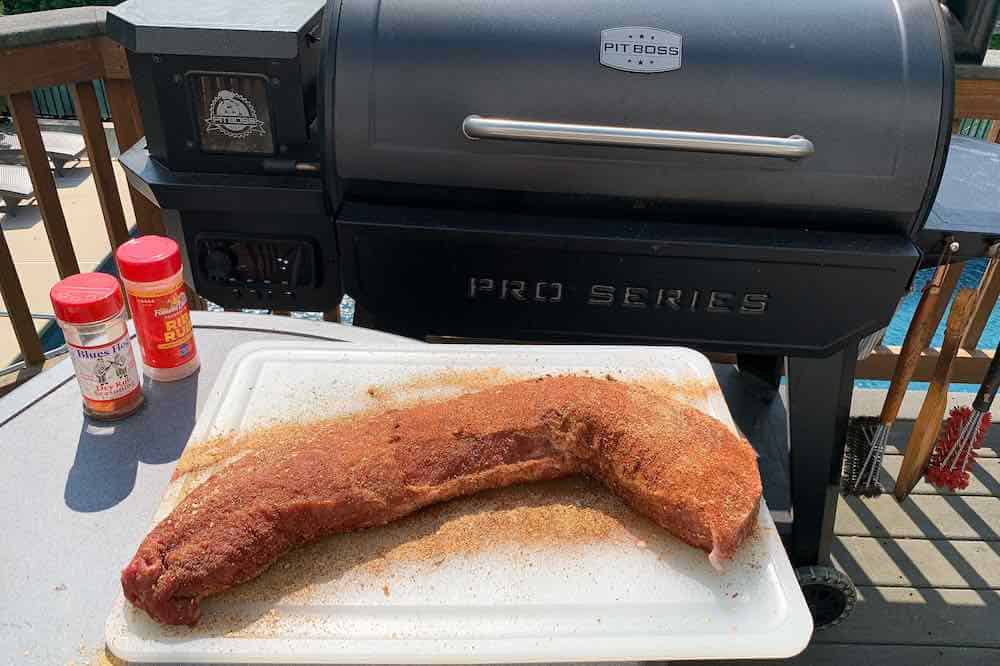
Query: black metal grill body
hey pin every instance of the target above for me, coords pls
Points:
(530, 237)
(530, 277)
(512, 171)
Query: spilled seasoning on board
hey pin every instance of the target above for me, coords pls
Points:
(561, 514)
(515, 522)
(224, 449)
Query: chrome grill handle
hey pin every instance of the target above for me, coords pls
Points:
(505, 129)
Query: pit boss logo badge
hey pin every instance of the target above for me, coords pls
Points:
(645, 50)
(232, 114)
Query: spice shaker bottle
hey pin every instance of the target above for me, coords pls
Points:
(90, 310)
(150, 268)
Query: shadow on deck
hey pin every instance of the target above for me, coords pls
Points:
(927, 571)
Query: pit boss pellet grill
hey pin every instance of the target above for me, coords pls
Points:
(719, 175)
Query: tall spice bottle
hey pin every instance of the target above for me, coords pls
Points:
(151, 270)
(90, 310)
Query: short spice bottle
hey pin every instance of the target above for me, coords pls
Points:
(151, 269)
(90, 310)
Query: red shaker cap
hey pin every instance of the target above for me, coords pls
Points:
(86, 298)
(148, 259)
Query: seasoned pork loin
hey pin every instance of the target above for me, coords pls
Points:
(677, 466)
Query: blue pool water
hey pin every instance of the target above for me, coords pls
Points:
(901, 321)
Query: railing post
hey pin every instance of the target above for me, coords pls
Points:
(990, 293)
(977, 98)
(17, 308)
(41, 179)
(89, 113)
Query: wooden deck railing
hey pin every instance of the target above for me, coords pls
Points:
(977, 95)
(68, 47)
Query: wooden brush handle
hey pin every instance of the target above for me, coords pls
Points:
(922, 439)
(918, 336)
(928, 424)
(958, 320)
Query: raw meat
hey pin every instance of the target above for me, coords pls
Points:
(291, 485)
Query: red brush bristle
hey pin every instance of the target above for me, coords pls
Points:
(983, 427)
(954, 475)
(950, 430)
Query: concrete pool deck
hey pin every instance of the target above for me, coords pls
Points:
(29, 246)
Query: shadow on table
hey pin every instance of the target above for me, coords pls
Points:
(108, 454)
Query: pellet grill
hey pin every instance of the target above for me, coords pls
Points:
(722, 175)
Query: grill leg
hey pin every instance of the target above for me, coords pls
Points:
(819, 405)
(363, 317)
(768, 369)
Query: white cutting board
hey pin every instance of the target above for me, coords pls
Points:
(537, 573)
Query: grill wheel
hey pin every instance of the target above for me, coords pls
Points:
(829, 593)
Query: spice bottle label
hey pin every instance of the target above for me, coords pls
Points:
(106, 372)
(164, 327)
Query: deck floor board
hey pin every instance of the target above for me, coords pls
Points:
(927, 572)
(984, 478)
(905, 615)
(921, 516)
(900, 433)
(921, 563)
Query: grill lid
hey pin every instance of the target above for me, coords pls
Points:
(840, 107)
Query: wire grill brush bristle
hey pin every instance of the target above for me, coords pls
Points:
(863, 453)
(955, 450)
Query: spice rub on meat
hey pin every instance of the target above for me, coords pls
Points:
(677, 466)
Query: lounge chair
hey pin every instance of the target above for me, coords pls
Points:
(15, 185)
(61, 147)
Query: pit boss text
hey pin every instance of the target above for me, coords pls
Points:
(641, 49)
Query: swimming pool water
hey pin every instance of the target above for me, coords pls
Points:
(904, 313)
